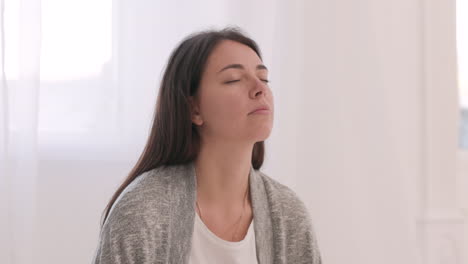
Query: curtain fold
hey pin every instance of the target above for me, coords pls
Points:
(6, 236)
(19, 134)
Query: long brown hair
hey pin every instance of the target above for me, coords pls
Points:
(173, 137)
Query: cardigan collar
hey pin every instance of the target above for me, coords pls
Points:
(183, 224)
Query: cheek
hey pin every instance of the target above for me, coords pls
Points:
(225, 107)
(270, 96)
(230, 107)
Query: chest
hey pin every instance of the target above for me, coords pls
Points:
(206, 243)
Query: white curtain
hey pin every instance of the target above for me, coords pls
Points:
(79, 84)
(19, 129)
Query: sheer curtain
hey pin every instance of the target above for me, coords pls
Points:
(19, 129)
(355, 110)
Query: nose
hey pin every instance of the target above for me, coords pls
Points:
(259, 88)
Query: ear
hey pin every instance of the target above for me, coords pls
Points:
(194, 110)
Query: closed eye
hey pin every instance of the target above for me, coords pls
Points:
(233, 81)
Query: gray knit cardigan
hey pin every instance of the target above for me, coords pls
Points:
(152, 221)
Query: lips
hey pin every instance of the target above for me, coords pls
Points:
(263, 107)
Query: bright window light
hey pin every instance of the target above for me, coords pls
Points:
(76, 38)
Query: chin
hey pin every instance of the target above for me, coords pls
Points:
(262, 135)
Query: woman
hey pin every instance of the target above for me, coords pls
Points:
(196, 194)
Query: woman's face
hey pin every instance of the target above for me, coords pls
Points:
(233, 84)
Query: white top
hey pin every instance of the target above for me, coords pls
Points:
(208, 248)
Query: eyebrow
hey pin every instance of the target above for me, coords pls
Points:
(239, 66)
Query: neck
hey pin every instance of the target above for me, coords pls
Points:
(222, 173)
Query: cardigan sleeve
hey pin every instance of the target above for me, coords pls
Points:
(122, 242)
(136, 229)
(301, 240)
(129, 238)
(307, 246)
(296, 240)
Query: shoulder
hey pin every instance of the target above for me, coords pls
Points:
(145, 197)
(137, 223)
(283, 198)
(291, 219)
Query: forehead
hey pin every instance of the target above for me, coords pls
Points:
(227, 52)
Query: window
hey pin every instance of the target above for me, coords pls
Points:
(76, 38)
(77, 67)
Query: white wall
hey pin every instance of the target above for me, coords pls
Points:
(357, 128)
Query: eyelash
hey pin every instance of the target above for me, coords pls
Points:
(233, 81)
